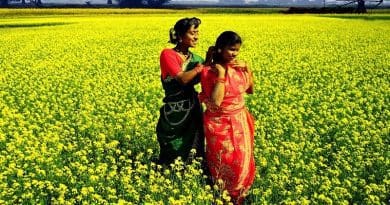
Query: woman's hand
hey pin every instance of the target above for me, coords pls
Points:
(221, 70)
(185, 77)
(242, 65)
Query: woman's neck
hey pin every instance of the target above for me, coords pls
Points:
(225, 63)
(182, 49)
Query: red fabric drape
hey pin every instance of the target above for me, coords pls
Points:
(170, 63)
(229, 132)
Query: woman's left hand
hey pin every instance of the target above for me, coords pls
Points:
(242, 65)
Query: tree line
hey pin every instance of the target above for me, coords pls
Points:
(142, 3)
(121, 3)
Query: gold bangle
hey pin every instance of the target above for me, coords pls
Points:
(198, 69)
(220, 80)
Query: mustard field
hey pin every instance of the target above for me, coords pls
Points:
(80, 93)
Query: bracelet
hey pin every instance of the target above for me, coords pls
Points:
(198, 69)
(220, 80)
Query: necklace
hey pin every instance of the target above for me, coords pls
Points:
(186, 55)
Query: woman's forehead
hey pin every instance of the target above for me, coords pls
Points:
(192, 28)
(236, 45)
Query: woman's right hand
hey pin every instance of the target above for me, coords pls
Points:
(221, 70)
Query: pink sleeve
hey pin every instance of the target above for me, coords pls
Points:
(169, 63)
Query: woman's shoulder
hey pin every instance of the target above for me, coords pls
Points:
(168, 51)
(208, 71)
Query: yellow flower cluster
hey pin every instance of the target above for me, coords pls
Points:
(80, 98)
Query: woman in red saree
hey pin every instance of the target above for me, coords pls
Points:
(229, 127)
(179, 128)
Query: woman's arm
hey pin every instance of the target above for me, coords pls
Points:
(184, 77)
(248, 72)
(219, 88)
(170, 65)
(188, 76)
(251, 81)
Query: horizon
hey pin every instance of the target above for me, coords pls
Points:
(216, 2)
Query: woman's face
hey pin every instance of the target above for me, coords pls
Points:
(229, 53)
(190, 38)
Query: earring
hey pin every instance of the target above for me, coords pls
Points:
(219, 50)
(180, 40)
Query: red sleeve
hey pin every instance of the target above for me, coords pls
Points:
(170, 64)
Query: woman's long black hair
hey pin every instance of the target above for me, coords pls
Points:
(181, 27)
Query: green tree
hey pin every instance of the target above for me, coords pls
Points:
(142, 3)
(3, 3)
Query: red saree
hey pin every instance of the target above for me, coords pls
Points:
(229, 132)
